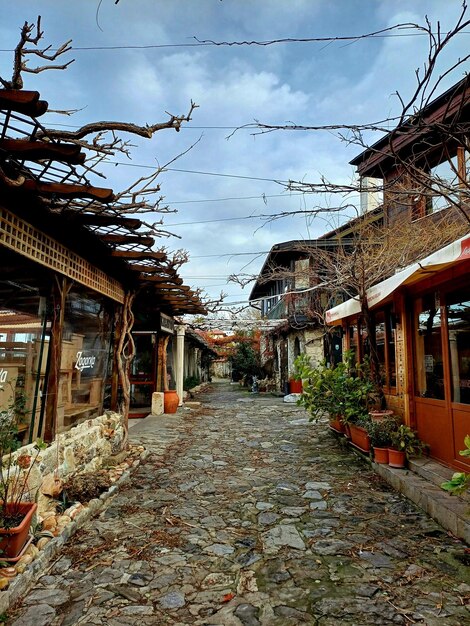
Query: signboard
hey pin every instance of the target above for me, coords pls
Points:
(84, 362)
(167, 324)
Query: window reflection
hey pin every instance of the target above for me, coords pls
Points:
(458, 321)
(429, 371)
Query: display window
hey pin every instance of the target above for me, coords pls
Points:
(24, 341)
(429, 367)
(458, 323)
(385, 343)
(86, 343)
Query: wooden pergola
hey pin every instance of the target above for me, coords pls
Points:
(57, 229)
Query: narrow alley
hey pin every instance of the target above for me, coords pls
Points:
(244, 513)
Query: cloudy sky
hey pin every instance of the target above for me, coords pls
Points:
(139, 58)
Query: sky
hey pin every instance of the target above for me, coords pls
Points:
(144, 59)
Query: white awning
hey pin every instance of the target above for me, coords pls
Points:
(437, 261)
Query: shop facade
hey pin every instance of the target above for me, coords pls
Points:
(78, 277)
(422, 331)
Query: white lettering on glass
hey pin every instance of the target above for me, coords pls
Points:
(84, 362)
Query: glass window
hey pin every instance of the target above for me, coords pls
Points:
(390, 341)
(24, 345)
(85, 350)
(353, 341)
(429, 370)
(445, 184)
(381, 344)
(385, 342)
(143, 364)
(458, 321)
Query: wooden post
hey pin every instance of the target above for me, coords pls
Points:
(161, 361)
(125, 354)
(59, 294)
(115, 372)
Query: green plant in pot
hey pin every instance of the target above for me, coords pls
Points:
(16, 511)
(346, 392)
(380, 433)
(406, 443)
(322, 389)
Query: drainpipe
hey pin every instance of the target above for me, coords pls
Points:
(180, 330)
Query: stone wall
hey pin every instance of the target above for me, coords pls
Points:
(84, 448)
(314, 347)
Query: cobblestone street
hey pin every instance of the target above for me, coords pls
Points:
(244, 513)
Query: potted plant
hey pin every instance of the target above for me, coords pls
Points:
(322, 392)
(380, 433)
(405, 443)
(16, 511)
(359, 429)
(345, 392)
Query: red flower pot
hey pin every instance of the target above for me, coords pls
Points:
(337, 425)
(170, 401)
(295, 386)
(396, 458)
(379, 416)
(381, 455)
(12, 540)
(360, 437)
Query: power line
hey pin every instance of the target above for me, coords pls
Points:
(381, 34)
(173, 169)
(223, 219)
(261, 197)
(218, 256)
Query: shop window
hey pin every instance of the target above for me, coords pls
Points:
(429, 369)
(24, 345)
(85, 352)
(385, 342)
(458, 322)
(353, 342)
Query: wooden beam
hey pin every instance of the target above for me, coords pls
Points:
(147, 269)
(157, 280)
(174, 281)
(128, 239)
(26, 102)
(103, 219)
(37, 150)
(174, 288)
(64, 190)
(139, 256)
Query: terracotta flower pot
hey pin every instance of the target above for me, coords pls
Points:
(337, 425)
(12, 540)
(360, 437)
(378, 416)
(170, 401)
(381, 455)
(295, 386)
(396, 458)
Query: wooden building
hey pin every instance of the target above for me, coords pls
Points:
(78, 279)
(422, 312)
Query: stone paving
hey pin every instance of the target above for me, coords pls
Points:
(245, 514)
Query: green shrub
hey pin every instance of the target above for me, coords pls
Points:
(345, 391)
(190, 382)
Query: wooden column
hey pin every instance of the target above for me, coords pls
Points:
(180, 331)
(115, 373)
(59, 294)
(125, 352)
(162, 384)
